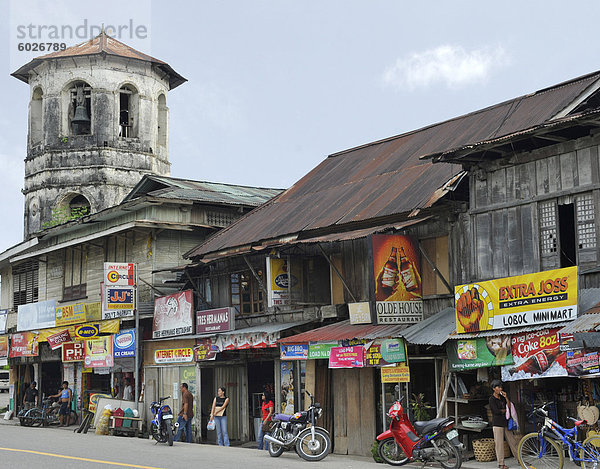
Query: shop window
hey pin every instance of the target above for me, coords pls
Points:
(437, 250)
(128, 110)
(80, 108)
(548, 233)
(316, 281)
(117, 248)
(35, 117)
(75, 277)
(246, 294)
(25, 283)
(586, 222)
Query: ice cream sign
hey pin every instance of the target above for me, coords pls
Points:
(124, 344)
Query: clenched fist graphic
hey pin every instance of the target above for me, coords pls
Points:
(470, 309)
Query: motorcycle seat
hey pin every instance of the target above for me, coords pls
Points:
(430, 425)
(282, 417)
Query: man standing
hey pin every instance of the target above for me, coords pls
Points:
(31, 397)
(127, 390)
(185, 414)
(65, 396)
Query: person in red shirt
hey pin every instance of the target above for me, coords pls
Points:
(268, 408)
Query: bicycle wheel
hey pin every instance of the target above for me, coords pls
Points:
(35, 416)
(536, 452)
(590, 452)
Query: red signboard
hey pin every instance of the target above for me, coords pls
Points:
(347, 357)
(24, 344)
(73, 351)
(56, 340)
(214, 320)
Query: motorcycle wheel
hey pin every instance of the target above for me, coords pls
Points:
(275, 450)
(450, 451)
(169, 430)
(391, 452)
(316, 450)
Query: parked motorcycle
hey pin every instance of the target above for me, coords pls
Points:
(162, 426)
(401, 444)
(312, 443)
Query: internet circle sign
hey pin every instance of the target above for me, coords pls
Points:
(113, 276)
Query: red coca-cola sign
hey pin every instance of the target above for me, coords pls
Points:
(73, 351)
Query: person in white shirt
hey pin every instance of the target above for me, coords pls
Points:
(127, 390)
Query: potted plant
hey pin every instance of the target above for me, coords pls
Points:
(419, 407)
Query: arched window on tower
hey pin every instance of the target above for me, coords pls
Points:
(71, 207)
(80, 108)
(162, 120)
(128, 111)
(35, 117)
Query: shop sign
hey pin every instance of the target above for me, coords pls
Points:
(73, 351)
(287, 388)
(56, 340)
(70, 314)
(119, 302)
(215, 320)
(479, 353)
(524, 300)
(119, 273)
(99, 352)
(318, 350)
(174, 355)
(94, 398)
(353, 342)
(3, 319)
(87, 331)
(384, 352)
(3, 346)
(395, 374)
(24, 344)
(205, 350)
(93, 311)
(582, 362)
(245, 341)
(40, 315)
(360, 313)
(294, 352)
(347, 357)
(281, 281)
(536, 355)
(124, 344)
(173, 315)
(396, 270)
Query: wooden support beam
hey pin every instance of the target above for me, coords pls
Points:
(337, 272)
(435, 269)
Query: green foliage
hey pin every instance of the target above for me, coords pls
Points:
(64, 139)
(62, 215)
(375, 453)
(419, 407)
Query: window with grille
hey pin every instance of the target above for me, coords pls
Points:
(586, 225)
(75, 270)
(221, 218)
(548, 231)
(25, 283)
(246, 294)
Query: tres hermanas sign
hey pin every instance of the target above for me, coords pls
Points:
(214, 320)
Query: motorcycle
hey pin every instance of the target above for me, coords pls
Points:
(162, 426)
(312, 443)
(401, 444)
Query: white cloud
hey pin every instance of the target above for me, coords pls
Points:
(450, 65)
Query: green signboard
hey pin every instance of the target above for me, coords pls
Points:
(317, 350)
(479, 353)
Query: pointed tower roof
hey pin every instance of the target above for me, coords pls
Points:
(101, 44)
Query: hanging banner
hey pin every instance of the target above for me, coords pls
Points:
(173, 315)
(24, 344)
(382, 352)
(119, 273)
(3, 319)
(215, 320)
(396, 264)
(73, 351)
(83, 331)
(99, 352)
(3, 347)
(33, 316)
(536, 355)
(317, 350)
(395, 374)
(347, 357)
(479, 353)
(294, 352)
(124, 344)
(174, 355)
(247, 340)
(287, 388)
(582, 362)
(279, 285)
(205, 350)
(118, 302)
(524, 300)
(93, 311)
(70, 314)
(56, 340)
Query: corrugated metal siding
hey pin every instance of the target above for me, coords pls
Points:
(433, 330)
(343, 331)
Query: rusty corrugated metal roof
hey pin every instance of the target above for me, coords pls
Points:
(345, 331)
(101, 44)
(388, 177)
(432, 331)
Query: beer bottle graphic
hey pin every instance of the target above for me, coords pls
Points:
(537, 363)
(389, 279)
(407, 272)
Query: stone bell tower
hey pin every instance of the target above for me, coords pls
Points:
(98, 122)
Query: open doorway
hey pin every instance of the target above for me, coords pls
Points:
(261, 378)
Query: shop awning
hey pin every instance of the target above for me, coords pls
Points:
(509, 331)
(585, 329)
(432, 331)
(345, 331)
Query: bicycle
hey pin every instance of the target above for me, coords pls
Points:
(546, 448)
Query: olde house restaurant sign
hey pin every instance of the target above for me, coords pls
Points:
(524, 300)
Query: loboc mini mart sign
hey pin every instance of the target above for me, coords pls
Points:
(174, 355)
(524, 300)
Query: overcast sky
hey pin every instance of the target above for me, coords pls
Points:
(275, 86)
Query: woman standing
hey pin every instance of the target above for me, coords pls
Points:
(498, 404)
(267, 416)
(219, 407)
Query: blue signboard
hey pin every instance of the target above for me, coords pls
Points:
(294, 352)
(124, 344)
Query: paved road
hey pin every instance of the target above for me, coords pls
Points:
(56, 448)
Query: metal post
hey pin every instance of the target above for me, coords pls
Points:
(383, 407)
(136, 372)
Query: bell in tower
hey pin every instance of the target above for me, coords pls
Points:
(81, 119)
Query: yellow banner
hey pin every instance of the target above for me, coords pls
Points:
(70, 314)
(524, 300)
(105, 327)
(395, 374)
